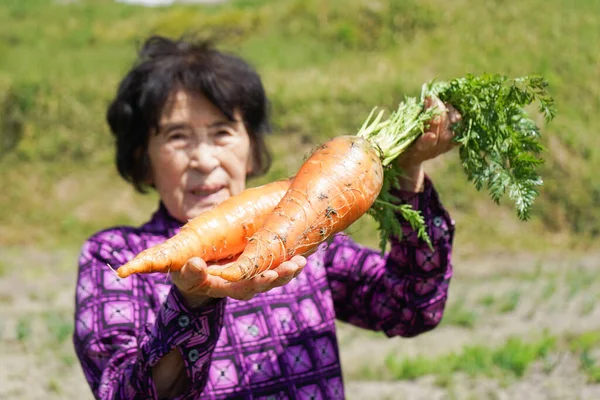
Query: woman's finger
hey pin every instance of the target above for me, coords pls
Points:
(242, 290)
(259, 284)
(286, 272)
(264, 280)
(427, 102)
(439, 123)
(244, 294)
(453, 117)
(301, 262)
(191, 276)
(453, 114)
(430, 140)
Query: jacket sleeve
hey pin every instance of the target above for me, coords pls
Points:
(122, 328)
(404, 292)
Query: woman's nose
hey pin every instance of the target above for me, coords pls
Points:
(204, 157)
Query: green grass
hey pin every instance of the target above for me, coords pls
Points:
(325, 65)
(54, 385)
(510, 360)
(459, 314)
(549, 290)
(589, 304)
(3, 269)
(585, 344)
(579, 279)
(509, 302)
(23, 329)
(60, 326)
(488, 300)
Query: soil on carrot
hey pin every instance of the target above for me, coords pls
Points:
(520, 327)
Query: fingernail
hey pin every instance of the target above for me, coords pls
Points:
(193, 266)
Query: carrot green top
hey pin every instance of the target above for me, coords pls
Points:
(281, 344)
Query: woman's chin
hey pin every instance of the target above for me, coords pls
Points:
(198, 209)
(204, 204)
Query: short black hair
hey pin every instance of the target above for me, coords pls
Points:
(165, 65)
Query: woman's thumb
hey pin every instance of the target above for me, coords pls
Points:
(193, 273)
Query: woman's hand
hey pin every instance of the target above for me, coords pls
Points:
(198, 287)
(437, 139)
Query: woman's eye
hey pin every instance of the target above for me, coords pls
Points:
(223, 133)
(177, 135)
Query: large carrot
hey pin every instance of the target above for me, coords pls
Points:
(336, 185)
(340, 181)
(215, 234)
(352, 175)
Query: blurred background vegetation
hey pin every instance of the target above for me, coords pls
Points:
(325, 64)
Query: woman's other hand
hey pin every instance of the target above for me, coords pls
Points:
(437, 139)
(198, 287)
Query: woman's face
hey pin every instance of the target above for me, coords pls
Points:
(198, 157)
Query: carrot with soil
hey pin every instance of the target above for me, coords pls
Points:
(335, 186)
(353, 175)
(215, 234)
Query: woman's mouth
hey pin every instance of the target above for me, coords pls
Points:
(207, 193)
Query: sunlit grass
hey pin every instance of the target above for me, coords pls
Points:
(325, 65)
(510, 360)
(458, 313)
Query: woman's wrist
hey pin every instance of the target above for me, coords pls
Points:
(193, 301)
(412, 178)
(197, 301)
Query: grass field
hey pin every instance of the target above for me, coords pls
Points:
(519, 327)
(523, 316)
(325, 65)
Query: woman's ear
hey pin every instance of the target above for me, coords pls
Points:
(148, 181)
(250, 162)
(149, 175)
(146, 166)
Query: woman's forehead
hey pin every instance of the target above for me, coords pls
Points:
(185, 106)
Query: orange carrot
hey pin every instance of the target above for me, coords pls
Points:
(341, 181)
(215, 234)
(335, 186)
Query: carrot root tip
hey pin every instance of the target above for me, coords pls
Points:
(214, 270)
(232, 274)
(114, 270)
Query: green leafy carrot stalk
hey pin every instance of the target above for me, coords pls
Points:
(500, 143)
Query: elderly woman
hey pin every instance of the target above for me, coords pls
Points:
(190, 123)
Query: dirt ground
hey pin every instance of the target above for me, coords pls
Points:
(502, 297)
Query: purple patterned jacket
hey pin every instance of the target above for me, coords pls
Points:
(279, 345)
